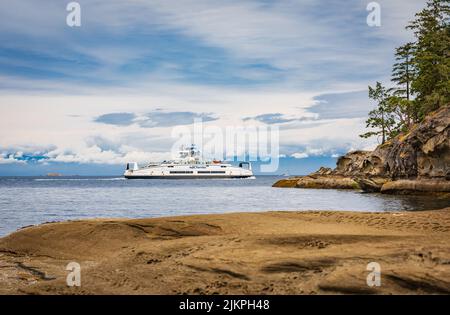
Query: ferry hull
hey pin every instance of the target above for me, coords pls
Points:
(185, 177)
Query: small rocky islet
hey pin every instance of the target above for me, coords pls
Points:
(414, 163)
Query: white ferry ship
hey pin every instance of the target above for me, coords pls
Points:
(189, 164)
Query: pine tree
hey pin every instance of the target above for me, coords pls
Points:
(431, 57)
(421, 74)
(382, 118)
(403, 73)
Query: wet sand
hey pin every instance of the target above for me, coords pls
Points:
(317, 252)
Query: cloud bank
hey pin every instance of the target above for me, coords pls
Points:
(113, 89)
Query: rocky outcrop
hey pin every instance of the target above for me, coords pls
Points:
(406, 186)
(286, 182)
(416, 162)
(424, 152)
(327, 181)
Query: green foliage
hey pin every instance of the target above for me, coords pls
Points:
(421, 74)
(403, 73)
(382, 120)
(431, 57)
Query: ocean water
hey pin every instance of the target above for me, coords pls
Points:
(33, 200)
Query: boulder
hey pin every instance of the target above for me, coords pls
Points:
(369, 185)
(323, 171)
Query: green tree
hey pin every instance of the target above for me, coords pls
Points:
(421, 73)
(403, 73)
(382, 120)
(431, 56)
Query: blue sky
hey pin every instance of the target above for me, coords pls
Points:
(89, 98)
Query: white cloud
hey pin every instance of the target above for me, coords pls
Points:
(313, 42)
(10, 160)
(300, 155)
(66, 122)
(334, 52)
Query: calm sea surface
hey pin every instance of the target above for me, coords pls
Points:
(32, 200)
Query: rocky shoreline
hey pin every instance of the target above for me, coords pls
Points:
(414, 163)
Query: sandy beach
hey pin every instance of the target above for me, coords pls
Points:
(316, 252)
